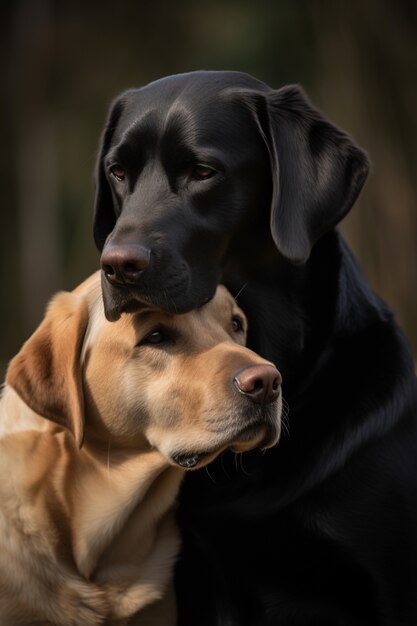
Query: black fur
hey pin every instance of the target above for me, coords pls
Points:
(321, 530)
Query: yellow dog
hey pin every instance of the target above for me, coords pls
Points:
(98, 422)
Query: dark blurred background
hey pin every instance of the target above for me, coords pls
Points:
(64, 61)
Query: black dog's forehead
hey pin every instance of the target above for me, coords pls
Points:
(200, 105)
(196, 87)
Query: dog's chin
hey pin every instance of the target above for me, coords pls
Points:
(253, 436)
(118, 300)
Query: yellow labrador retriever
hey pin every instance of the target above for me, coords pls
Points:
(98, 422)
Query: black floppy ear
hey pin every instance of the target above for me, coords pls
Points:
(104, 217)
(317, 171)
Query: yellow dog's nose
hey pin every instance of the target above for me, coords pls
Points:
(261, 383)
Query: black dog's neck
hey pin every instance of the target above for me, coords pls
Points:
(293, 327)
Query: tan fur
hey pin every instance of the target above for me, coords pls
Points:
(90, 419)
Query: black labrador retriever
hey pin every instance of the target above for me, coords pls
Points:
(214, 176)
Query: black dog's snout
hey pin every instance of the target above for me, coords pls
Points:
(124, 264)
(261, 383)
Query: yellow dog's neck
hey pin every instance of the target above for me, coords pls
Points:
(130, 490)
(94, 496)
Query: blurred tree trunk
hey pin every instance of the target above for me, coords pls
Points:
(39, 258)
(368, 58)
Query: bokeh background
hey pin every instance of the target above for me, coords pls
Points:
(64, 61)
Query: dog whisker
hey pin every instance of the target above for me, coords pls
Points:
(285, 422)
(174, 305)
(285, 427)
(235, 463)
(224, 468)
(240, 291)
(209, 475)
(242, 466)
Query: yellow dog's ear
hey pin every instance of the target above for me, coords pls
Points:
(46, 373)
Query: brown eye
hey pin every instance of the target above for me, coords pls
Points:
(237, 324)
(118, 173)
(203, 172)
(154, 338)
(159, 337)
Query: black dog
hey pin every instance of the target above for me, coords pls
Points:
(214, 176)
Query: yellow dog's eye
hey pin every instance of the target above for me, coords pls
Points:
(153, 338)
(237, 324)
(118, 173)
(159, 336)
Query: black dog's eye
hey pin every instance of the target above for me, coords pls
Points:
(203, 172)
(237, 324)
(118, 173)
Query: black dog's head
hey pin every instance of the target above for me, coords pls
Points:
(192, 165)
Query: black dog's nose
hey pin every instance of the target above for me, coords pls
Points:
(124, 264)
(261, 383)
